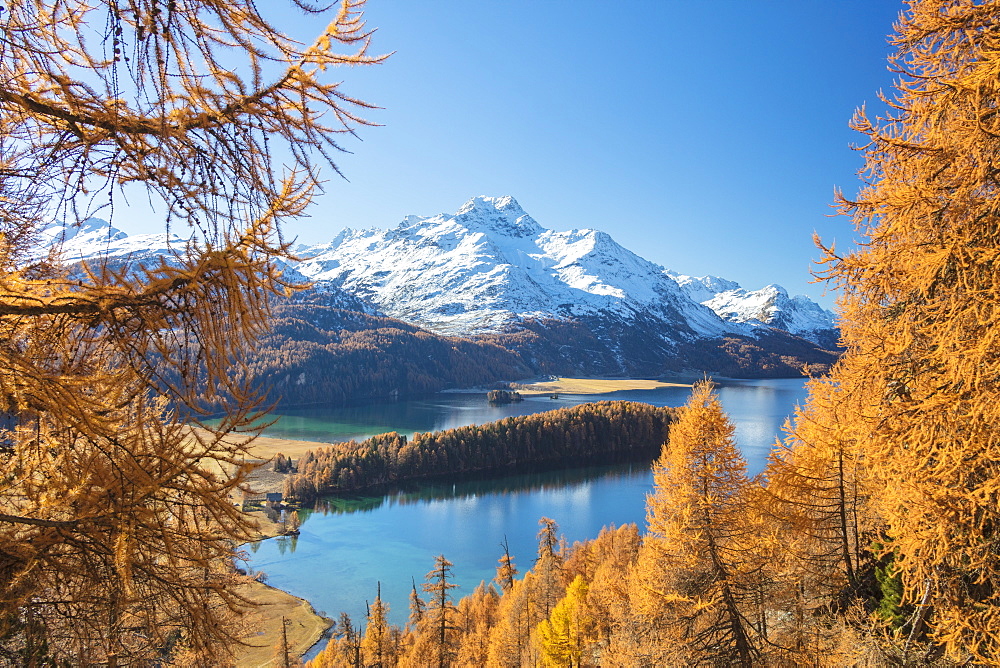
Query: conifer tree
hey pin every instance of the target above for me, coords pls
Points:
(377, 645)
(343, 649)
(692, 574)
(564, 635)
(477, 613)
(116, 534)
(417, 608)
(920, 302)
(283, 656)
(506, 571)
(441, 615)
(509, 640)
(609, 557)
(816, 527)
(814, 480)
(817, 524)
(548, 582)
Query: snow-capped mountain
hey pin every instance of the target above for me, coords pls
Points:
(771, 306)
(95, 238)
(563, 302)
(491, 265)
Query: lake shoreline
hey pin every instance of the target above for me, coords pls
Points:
(581, 503)
(266, 447)
(305, 627)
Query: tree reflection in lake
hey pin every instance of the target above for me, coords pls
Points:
(474, 486)
(348, 544)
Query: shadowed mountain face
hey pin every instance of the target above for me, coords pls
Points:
(486, 295)
(569, 302)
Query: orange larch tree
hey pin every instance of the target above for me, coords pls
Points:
(116, 533)
(814, 503)
(690, 583)
(440, 627)
(920, 306)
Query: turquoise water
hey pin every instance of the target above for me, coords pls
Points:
(758, 407)
(349, 545)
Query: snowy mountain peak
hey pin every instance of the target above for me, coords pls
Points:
(497, 215)
(411, 220)
(484, 204)
(96, 238)
(702, 288)
(92, 230)
(92, 224)
(490, 267)
(771, 306)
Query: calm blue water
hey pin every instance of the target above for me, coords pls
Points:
(345, 549)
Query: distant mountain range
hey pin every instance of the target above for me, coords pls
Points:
(543, 301)
(491, 266)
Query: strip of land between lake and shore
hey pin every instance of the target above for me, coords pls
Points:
(305, 627)
(579, 386)
(266, 447)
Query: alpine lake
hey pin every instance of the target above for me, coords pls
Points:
(349, 546)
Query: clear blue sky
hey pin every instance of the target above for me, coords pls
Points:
(704, 135)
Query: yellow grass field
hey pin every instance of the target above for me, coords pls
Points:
(265, 447)
(303, 627)
(592, 385)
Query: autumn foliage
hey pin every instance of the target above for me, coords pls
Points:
(116, 533)
(871, 537)
(702, 584)
(920, 303)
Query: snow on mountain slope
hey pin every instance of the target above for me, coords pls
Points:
(491, 264)
(771, 306)
(95, 238)
(703, 288)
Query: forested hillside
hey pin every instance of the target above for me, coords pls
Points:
(602, 347)
(604, 431)
(318, 353)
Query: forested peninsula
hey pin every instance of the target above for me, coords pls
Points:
(601, 431)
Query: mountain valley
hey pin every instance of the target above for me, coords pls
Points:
(488, 295)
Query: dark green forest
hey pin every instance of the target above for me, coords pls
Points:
(602, 431)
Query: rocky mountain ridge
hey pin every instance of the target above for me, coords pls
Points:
(491, 265)
(534, 300)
